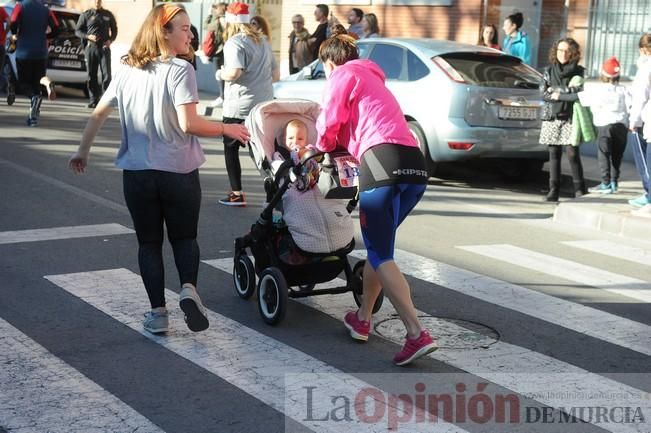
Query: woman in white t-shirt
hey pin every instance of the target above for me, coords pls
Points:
(156, 96)
(249, 70)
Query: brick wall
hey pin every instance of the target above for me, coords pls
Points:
(459, 22)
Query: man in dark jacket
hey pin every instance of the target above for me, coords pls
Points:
(97, 29)
(30, 21)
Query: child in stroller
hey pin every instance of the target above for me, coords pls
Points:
(310, 244)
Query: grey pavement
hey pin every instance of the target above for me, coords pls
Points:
(609, 213)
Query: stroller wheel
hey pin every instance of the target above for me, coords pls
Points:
(244, 276)
(358, 287)
(273, 295)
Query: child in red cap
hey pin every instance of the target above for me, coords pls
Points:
(608, 102)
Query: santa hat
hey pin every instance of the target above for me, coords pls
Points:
(238, 13)
(611, 68)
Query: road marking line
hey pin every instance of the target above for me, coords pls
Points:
(71, 232)
(39, 392)
(524, 371)
(586, 320)
(614, 249)
(566, 269)
(247, 359)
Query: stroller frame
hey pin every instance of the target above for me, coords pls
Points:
(276, 278)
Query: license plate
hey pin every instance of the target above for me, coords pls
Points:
(517, 113)
(348, 170)
(66, 64)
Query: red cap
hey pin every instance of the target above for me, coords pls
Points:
(611, 68)
(238, 13)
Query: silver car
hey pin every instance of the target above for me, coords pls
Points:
(461, 101)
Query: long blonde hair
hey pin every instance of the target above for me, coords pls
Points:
(150, 43)
(234, 28)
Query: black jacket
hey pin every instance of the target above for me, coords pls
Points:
(557, 79)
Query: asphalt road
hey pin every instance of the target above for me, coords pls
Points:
(555, 316)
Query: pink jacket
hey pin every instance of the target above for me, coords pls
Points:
(359, 112)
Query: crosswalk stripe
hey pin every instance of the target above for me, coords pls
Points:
(39, 392)
(590, 321)
(502, 363)
(70, 232)
(614, 249)
(566, 269)
(247, 359)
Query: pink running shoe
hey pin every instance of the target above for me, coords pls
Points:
(414, 349)
(359, 329)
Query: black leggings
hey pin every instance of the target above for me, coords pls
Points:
(30, 72)
(573, 156)
(156, 197)
(232, 157)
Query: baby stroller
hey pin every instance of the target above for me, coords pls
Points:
(284, 270)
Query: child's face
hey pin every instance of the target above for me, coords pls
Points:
(296, 137)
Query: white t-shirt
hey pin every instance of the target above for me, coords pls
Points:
(146, 100)
(254, 85)
(608, 103)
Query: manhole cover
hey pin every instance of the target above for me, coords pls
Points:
(452, 334)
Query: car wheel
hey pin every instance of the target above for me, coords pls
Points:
(418, 133)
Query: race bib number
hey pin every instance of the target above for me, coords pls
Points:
(348, 170)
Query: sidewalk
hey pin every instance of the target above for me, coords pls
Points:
(610, 213)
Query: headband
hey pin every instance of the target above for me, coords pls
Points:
(169, 12)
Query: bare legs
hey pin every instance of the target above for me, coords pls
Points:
(396, 288)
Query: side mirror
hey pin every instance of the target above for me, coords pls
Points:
(307, 72)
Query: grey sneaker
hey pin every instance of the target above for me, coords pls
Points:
(156, 322)
(195, 313)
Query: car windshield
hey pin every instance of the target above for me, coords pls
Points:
(490, 70)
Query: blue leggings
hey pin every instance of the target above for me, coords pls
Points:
(381, 211)
(642, 155)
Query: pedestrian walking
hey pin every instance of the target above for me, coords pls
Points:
(30, 21)
(300, 54)
(362, 115)
(97, 29)
(370, 26)
(640, 123)
(516, 41)
(156, 95)
(608, 103)
(556, 132)
(249, 70)
(5, 22)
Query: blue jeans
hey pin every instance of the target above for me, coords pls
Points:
(642, 154)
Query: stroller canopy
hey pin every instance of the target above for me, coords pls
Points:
(267, 121)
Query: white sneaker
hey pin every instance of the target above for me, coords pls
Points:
(156, 321)
(644, 211)
(195, 313)
(217, 103)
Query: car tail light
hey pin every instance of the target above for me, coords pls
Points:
(460, 145)
(452, 73)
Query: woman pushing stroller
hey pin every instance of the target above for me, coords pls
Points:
(392, 180)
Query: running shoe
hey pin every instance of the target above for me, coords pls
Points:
(415, 348)
(359, 329)
(233, 199)
(195, 313)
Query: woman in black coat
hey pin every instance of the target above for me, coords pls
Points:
(556, 131)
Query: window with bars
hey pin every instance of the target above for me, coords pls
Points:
(615, 27)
